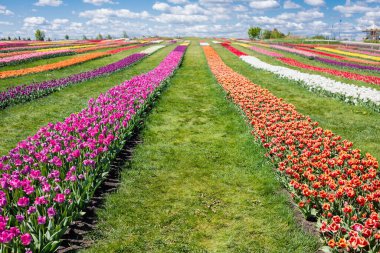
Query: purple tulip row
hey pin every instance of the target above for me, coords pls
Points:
(23, 93)
(346, 64)
(37, 55)
(49, 177)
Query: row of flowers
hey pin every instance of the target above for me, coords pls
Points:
(49, 177)
(355, 50)
(319, 84)
(313, 55)
(28, 48)
(261, 50)
(88, 49)
(346, 64)
(24, 93)
(339, 57)
(349, 75)
(52, 66)
(326, 177)
(294, 51)
(33, 56)
(337, 51)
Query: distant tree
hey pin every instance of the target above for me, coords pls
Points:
(275, 34)
(9, 37)
(19, 38)
(84, 37)
(99, 37)
(254, 32)
(109, 37)
(125, 35)
(28, 38)
(319, 37)
(67, 37)
(49, 39)
(40, 35)
(266, 34)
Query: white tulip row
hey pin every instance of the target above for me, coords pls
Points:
(347, 92)
(204, 44)
(216, 42)
(152, 49)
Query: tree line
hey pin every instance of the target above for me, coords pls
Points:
(258, 33)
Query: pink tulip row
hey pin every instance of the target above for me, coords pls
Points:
(266, 52)
(294, 50)
(37, 55)
(49, 177)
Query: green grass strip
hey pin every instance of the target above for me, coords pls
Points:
(198, 182)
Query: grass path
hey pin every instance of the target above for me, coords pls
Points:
(22, 120)
(355, 123)
(198, 182)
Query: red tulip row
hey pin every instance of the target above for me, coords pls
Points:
(327, 177)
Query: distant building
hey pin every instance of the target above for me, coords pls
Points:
(373, 33)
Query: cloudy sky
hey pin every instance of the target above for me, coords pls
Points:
(221, 18)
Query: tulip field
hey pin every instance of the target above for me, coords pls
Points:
(242, 146)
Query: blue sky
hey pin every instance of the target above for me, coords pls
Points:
(205, 18)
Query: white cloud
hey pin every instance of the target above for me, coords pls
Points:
(105, 13)
(240, 8)
(99, 2)
(5, 11)
(288, 4)
(315, 2)
(161, 6)
(264, 4)
(53, 3)
(349, 10)
(5, 23)
(34, 21)
(180, 18)
(178, 1)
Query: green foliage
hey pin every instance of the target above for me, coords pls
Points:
(84, 37)
(125, 35)
(109, 37)
(254, 32)
(275, 34)
(67, 37)
(39, 35)
(99, 37)
(319, 37)
(267, 34)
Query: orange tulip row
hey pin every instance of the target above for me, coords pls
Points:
(52, 66)
(328, 179)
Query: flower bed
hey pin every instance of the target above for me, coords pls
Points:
(294, 51)
(24, 93)
(261, 50)
(347, 64)
(345, 74)
(326, 177)
(374, 58)
(322, 85)
(49, 177)
(33, 56)
(51, 66)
